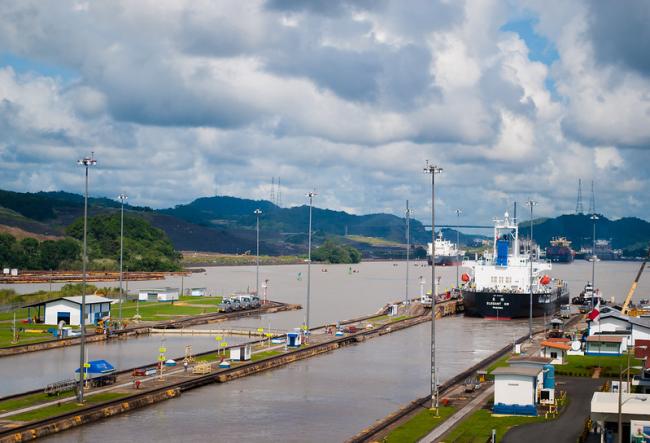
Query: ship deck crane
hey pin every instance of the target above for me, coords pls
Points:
(626, 305)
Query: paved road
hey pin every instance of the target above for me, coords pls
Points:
(569, 425)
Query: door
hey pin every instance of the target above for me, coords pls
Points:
(63, 316)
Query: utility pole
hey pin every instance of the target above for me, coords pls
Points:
(122, 198)
(433, 170)
(86, 162)
(593, 217)
(458, 212)
(531, 204)
(408, 251)
(311, 196)
(257, 213)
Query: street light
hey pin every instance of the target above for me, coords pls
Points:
(408, 251)
(594, 217)
(86, 162)
(621, 403)
(311, 196)
(531, 204)
(257, 213)
(458, 212)
(433, 170)
(122, 198)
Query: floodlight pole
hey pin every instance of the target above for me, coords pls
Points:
(311, 196)
(458, 212)
(257, 213)
(433, 170)
(594, 217)
(531, 204)
(86, 162)
(122, 198)
(408, 251)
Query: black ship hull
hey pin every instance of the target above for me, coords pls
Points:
(508, 305)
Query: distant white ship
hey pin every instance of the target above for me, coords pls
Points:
(447, 254)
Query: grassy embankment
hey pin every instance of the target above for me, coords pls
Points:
(419, 426)
(584, 365)
(62, 408)
(477, 428)
(213, 259)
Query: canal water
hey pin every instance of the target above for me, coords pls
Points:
(326, 398)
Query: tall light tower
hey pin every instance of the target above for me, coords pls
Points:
(408, 251)
(593, 217)
(257, 213)
(122, 197)
(86, 162)
(531, 204)
(433, 170)
(458, 212)
(311, 196)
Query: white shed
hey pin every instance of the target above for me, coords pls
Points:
(555, 349)
(198, 292)
(640, 328)
(240, 353)
(158, 294)
(515, 389)
(605, 345)
(68, 310)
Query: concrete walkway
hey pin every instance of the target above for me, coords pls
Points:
(452, 421)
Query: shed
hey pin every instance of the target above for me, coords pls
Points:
(555, 349)
(68, 310)
(605, 345)
(198, 292)
(515, 390)
(240, 353)
(158, 294)
(635, 413)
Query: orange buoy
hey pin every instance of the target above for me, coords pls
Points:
(545, 280)
(465, 278)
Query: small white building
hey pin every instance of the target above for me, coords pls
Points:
(555, 349)
(159, 294)
(515, 389)
(241, 353)
(198, 292)
(640, 328)
(605, 345)
(68, 310)
(533, 361)
(635, 413)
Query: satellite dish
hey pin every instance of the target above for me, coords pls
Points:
(575, 346)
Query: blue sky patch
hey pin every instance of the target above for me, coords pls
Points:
(23, 65)
(540, 49)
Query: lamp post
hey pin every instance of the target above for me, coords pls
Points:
(433, 170)
(311, 196)
(593, 217)
(621, 402)
(408, 251)
(122, 198)
(531, 204)
(257, 213)
(458, 212)
(86, 162)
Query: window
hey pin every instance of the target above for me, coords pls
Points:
(553, 354)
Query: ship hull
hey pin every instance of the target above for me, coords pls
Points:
(446, 260)
(505, 305)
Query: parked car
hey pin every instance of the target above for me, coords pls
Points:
(255, 302)
(244, 301)
(226, 305)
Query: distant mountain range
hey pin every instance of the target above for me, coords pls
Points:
(227, 224)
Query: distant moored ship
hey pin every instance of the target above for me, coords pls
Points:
(447, 254)
(560, 251)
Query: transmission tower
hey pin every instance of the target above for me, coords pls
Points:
(592, 200)
(579, 208)
(279, 195)
(272, 196)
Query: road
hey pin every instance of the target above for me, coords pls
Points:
(569, 425)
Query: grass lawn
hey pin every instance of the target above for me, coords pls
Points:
(51, 411)
(200, 300)
(157, 311)
(28, 335)
(373, 241)
(29, 400)
(478, 427)
(265, 354)
(583, 365)
(9, 316)
(419, 426)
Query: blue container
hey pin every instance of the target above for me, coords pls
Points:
(549, 377)
(502, 253)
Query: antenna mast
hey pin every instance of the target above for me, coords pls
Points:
(592, 200)
(272, 196)
(579, 208)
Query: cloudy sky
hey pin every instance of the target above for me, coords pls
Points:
(186, 98)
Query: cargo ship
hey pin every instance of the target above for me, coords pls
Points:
(447, 254)
(560, 251)
(499, 284)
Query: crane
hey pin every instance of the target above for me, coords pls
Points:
(626, 306)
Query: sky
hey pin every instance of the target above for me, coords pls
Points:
(180, 99)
